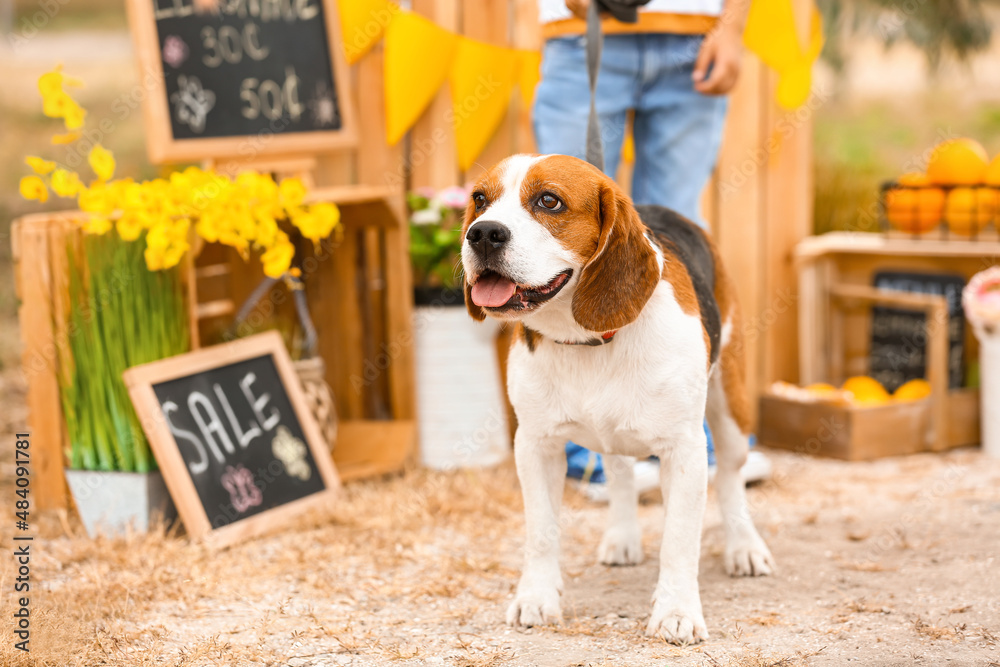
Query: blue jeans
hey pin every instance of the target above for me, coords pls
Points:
(677, 130)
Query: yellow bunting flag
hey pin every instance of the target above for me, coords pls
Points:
(418, 55)
(772, 35)
(529, 72)
(482, 79)
(362, 24)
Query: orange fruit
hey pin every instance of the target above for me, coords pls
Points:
(968, 210)
(821, 388)
(913, 390)
(914, 211)
(957, 162)
(866, 390)
(992, 177)
(992, 174)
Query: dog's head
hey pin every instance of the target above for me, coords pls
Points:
(547, 233)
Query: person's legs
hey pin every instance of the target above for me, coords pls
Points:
(677, 133)
(677, 129)
(562, 98)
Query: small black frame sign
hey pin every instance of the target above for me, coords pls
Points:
(238, 447)
(240, 78)
(898, 336)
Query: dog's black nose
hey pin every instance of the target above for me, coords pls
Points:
(487, 236)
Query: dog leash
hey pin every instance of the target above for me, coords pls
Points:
(625, 11)
(595, 44)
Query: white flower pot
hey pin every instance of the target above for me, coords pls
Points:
(460, 403)
(110, 502)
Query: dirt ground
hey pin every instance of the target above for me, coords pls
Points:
(887, 563)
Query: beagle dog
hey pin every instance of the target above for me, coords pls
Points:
(628, 335)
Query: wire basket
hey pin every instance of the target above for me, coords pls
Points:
(940, 212)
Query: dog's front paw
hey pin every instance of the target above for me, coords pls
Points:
(676, 624)
(535, 607)
(621, 546)
(748, 557)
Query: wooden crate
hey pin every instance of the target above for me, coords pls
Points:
(41, 280)
(371, 440)
(865, 433)
(842, 431)
(835, 274)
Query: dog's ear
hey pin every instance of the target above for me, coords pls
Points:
(475, 311)
(617, 281)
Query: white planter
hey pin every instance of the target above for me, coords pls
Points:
(110, 502)
(460, 404)
(982, 309)
(989, 390)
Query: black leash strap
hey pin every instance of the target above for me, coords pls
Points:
(595, 42)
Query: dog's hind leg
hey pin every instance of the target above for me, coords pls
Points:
(541, 469)
(622, 542)
(729, 418)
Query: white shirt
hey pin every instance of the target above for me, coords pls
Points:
(555, 10)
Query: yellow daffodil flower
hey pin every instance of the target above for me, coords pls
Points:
(292, 192)
(96, 199)
(33, 188)
(40, 166)
(66, 183)
(129, 226)
(51, 83)
(102, 162)
(277, 260)
(97, 225)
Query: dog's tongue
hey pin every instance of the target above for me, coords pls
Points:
(492, 291)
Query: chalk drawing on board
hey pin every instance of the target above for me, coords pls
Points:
(323, 106)
(292, 453)
(192, 102)
(175, 51)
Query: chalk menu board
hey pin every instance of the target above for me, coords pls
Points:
(248, 76)
(899, 337)
(228, 427)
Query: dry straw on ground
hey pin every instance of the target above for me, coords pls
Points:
(417, 569)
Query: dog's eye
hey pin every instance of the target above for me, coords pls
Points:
(550, 202)
(479, 199)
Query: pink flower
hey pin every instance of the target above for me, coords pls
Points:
(454, 197)
(981, 297)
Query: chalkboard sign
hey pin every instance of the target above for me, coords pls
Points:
(230, 431)
(899, 336)
(246, 78)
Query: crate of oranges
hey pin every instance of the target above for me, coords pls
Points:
(958, 195)
(857, 421)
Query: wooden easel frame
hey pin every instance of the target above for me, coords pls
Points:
(140, 381)
(935, 308)
(160, 143)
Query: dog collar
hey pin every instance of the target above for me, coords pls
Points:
(593, 342)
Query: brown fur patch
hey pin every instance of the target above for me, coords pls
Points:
(675, 273)
(618, 279)
(577, 226)
(733, 355)
(529, 337)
